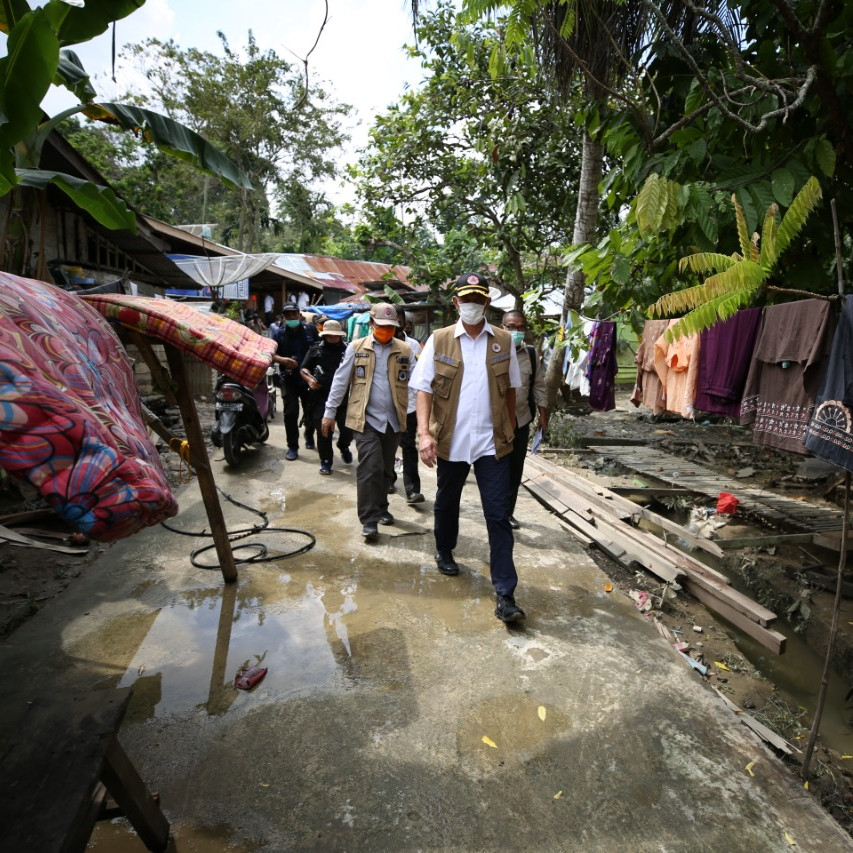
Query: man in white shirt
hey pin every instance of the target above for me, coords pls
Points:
(466, 379)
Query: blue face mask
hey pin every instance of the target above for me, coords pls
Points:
(517, 338)
(292, 324)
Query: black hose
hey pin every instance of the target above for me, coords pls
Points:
(261, 555)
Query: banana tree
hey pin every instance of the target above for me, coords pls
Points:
(38, 55)
(736, 279)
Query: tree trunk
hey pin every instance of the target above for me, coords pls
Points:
(586, 219)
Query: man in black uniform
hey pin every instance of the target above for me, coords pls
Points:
(318, 369)
(293, 342)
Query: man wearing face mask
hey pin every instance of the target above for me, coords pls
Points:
(532, 404)
(466, 380)
(375, 371)
(293, 343)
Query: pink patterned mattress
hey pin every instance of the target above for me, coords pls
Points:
(70, 417)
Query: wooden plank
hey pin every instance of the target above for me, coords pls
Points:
(50, 769)
(653, 491)
(767, 735)
(736, 600)
(768, 638)
(768, 539)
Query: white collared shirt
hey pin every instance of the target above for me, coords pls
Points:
(473, 431)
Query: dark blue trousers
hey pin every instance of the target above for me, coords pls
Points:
(493, 482)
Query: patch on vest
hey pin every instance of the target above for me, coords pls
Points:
(362, 355)
(402, 359)
(498, 358)
(496, 347)
(403, 375)
(360, 371)
(445, 359)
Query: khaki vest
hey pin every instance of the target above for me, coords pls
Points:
(448, 382)
(361, 380)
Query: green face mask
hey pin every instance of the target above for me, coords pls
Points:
(517, 338)
(292, 324)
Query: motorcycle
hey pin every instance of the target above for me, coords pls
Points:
(242, 416)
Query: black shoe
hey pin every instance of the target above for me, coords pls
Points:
(507, 610)
(446, 564)
(513, 523)
(346, 455)
(369, 532)
(291, 454)
(391, 489)
(309, 444)
(414, 498)
(386, 518)
(326, 468)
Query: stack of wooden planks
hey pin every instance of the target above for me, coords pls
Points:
(597, 516)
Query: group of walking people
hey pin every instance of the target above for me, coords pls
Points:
(467, 399)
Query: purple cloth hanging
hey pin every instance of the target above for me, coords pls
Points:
(602, 367)
(725, 354)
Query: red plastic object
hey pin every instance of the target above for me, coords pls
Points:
(246, 679)
(726, 504)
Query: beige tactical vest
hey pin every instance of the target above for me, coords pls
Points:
(448, 382)
(361, 380)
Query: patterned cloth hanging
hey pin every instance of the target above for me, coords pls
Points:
(787, 365)
(602, 367)
(829, 434)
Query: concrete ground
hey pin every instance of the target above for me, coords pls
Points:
(398, 713)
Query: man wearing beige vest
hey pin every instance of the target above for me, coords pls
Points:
(466, 379)
(375, 369)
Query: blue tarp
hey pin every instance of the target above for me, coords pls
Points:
(341, 313)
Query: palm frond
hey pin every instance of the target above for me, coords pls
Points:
(706, 262)
(769, 253)
(742, 231)
(797, 214)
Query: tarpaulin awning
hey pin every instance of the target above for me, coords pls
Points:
(222, 269)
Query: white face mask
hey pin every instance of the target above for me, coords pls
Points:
(471, 313)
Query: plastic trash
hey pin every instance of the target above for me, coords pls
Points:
(246, 679)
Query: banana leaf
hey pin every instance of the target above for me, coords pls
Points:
(101, 202)
(74, 76)
(173, 138)
(26, 73)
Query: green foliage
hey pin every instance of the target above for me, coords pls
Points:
(252, 105)
(37, 56)
(494, 158)
(737, 279)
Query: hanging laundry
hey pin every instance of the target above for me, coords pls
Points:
(779, 396)
(602, 367)
(648, 389)
(829, 434)
(725, 356)
(677, 366)
(575, 366)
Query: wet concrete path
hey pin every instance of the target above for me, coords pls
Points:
(398, 713)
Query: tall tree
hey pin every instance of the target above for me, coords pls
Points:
(492, 156)
(253, 104)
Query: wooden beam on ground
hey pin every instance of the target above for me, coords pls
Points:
(652, 491)
(769, 539)
(768, 638)
(201, 463)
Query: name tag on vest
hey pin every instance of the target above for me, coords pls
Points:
(446, 359)
(362, 355)
(498, 358)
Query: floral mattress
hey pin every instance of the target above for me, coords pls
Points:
(70, 417)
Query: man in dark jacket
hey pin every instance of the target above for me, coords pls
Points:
(318, 369)
(293, 342)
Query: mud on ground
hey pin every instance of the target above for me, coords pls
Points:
(776, 577)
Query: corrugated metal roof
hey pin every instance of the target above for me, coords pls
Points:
(351, 276)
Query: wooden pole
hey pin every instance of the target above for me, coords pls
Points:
(833, 631)
(842, 559)
(201, 463)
